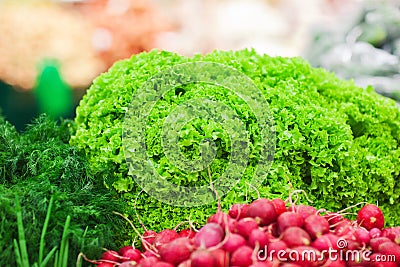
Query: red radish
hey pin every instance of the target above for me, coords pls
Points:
(259, 237)
(164, 237)
(273, 261)
(163, 264)
(376, 242)
(233, 242)
(352, 245)
(209, 235)
(238, 211)
(370, 216)
(333, 218)
(242, 257)
(148, 239)
(390, 248)
(188, 233)
(245, 226)
(304, 210)
(149, 236)
(275, 247)
(344, 227)
(325, 242)
(187, 263)
(232, 224)
(271, 236)
(393, 233)
(334, 263)
(279, 205)
(122, 250)
(202, 258)
(111, 255)
(316, 225)
(305, 256)
(295, 236)
(148, 262)
(362, 236)
(356, 260)
(385, 264)
(148, 253)
(176, 251)
(220, 218)
(128, 264)
(375, 232)
(132, 255)
(223, 220)
(261, 264)
(263, 211)
(221, 258)
(288, 219)
(273, 229)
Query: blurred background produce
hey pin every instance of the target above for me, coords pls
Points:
(366, 50)
(275, 27)
(357, 39)
(84, 37)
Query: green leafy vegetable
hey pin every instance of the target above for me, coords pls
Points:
(38, 164)
(20, 247)
(336, 141)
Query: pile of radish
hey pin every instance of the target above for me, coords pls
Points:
(269, 233)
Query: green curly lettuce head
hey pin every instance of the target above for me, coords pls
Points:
(337, 142)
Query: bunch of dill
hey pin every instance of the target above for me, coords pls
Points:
(40, 163)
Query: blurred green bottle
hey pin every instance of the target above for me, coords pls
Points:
(54, 96)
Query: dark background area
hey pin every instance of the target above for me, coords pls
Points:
(20, 107)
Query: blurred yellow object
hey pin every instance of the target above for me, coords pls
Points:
(86, 37)
(33, 30)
